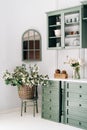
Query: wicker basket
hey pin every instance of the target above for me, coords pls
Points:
(26, 92)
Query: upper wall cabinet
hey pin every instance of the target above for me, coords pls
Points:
(31, 45)
(67, 28)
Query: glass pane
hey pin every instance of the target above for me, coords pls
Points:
(25, 44)
(25, 55)
(37, 55)
(37, 36)
(37, 44)
(25, 37)
(31, 44)
(31, 55)
(31, 35)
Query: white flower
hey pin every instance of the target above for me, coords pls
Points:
(22, 76)
(74, 62)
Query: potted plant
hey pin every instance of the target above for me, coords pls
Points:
(25, 79)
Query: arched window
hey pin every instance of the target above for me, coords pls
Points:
(31, 45)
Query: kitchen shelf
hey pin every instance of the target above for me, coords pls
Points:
(71, 36)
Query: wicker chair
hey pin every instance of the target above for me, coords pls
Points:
(33, 100)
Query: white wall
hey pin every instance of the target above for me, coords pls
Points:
(16, 16)
(67, 3)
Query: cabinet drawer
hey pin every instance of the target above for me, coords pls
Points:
(50, 92)
(76, 96)
(77, 87)
(54, 83)
(52, 104)
(77, 113)
(51, 97)
(77, 123)
(50, 108)
(53, 117)
(76, 104)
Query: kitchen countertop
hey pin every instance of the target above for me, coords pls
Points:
(70, 80)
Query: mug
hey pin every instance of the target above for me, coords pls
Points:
(57, 32)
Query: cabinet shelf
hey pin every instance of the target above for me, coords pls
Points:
(71, 46)
(71, 36)
(54, 25)
(54, 37)
(85, 19)
(72, 24)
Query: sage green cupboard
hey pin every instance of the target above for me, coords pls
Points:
(65, 102)
(51, 108)
(76, 104)
(67, 28)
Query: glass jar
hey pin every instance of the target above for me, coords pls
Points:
(76, 73)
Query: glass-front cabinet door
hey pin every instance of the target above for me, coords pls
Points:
(72, 23)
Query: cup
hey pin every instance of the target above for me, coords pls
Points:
(57, 23)
(57, 32)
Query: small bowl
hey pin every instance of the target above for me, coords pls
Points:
(57, 33)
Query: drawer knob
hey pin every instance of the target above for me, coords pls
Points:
(50, 108)
(80, 86)
(50, 100)
(80, 105)
(80, 123)
(80, 95)
(50, 116)
(50, 91)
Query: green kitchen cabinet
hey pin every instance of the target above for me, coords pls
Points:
(76, 104)
(65, 102)
(67, 28)
(51, 101)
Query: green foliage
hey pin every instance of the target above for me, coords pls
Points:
(23, 76)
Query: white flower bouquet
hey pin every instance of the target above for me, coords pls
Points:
(75, 64)
(21, 76)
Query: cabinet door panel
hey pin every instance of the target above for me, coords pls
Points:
(50, 108)
(77, 87)
(76, 96)
(51, 101)
(51, 91)
(78, 103)
(50, 116)
(77, 113)
(77, 123)
(54, 83)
